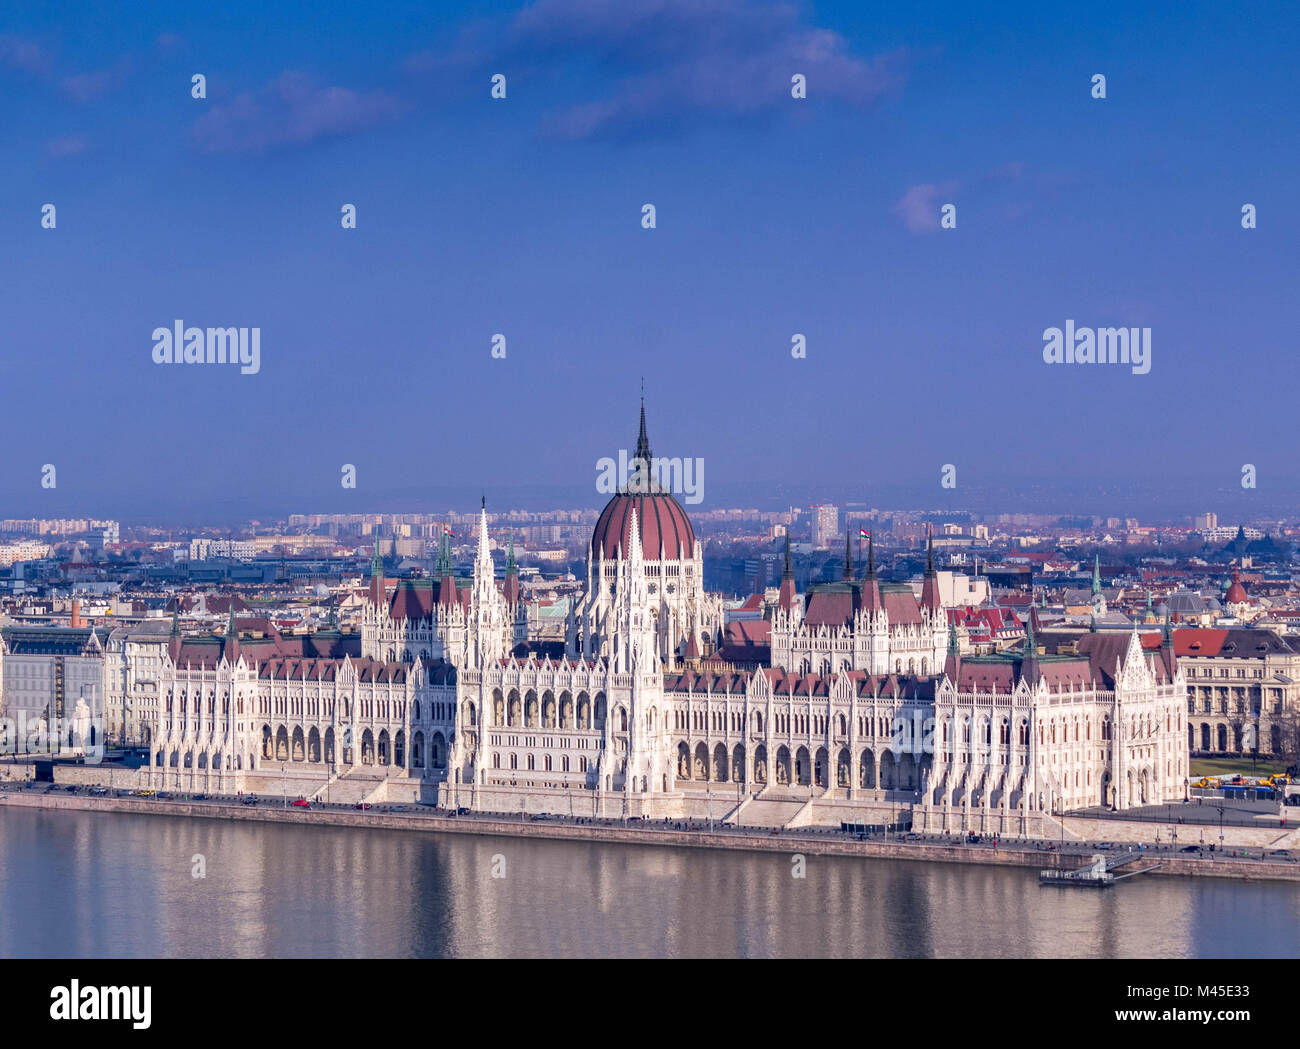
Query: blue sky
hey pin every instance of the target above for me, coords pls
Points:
(522, 216)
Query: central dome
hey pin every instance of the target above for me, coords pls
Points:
(665, 528)
(660, 518)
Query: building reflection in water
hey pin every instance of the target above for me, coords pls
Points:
(95, 885)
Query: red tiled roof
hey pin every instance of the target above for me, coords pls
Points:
(749, 632)
(901, 607)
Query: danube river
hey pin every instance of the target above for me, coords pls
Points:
(94, 884)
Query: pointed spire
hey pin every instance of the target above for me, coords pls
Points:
(848, 557)
(785, 598)
(447, 596)
(952, 663)
(634, 552)
(231, 646)
(642, 441)
(1096, 574)
(174, 642)
(1167, 635)
(511, 588)
(930, 587)
(1029, 668)
(484, 550)
(377, 575)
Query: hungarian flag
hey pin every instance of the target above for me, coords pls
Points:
(863, 534)
(448, 531)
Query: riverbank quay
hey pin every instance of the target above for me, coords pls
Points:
(1035, 855)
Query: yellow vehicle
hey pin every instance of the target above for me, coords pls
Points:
(145, 793)
(1280, 779)
(1206, 782)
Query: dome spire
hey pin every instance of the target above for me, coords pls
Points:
(642, 441)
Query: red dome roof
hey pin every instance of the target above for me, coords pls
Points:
(660, 518)
(1236, 592)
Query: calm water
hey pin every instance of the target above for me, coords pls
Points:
(108, 884)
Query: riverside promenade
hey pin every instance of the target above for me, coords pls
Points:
(678, 834)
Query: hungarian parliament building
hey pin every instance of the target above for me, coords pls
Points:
(859, 707)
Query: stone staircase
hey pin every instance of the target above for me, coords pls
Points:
(295, 782)
(354, 786)
(770, 809)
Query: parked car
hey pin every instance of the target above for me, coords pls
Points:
(1281, 854)
(99, 791)
(301, 803)
(398, 808)
(1190, 848)
(911, 837)
(200, 797)
(974, 838)
(1105, 844)
(361, 805)
(251, 800)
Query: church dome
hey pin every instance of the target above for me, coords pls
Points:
(1236, 593)
(665, 528)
